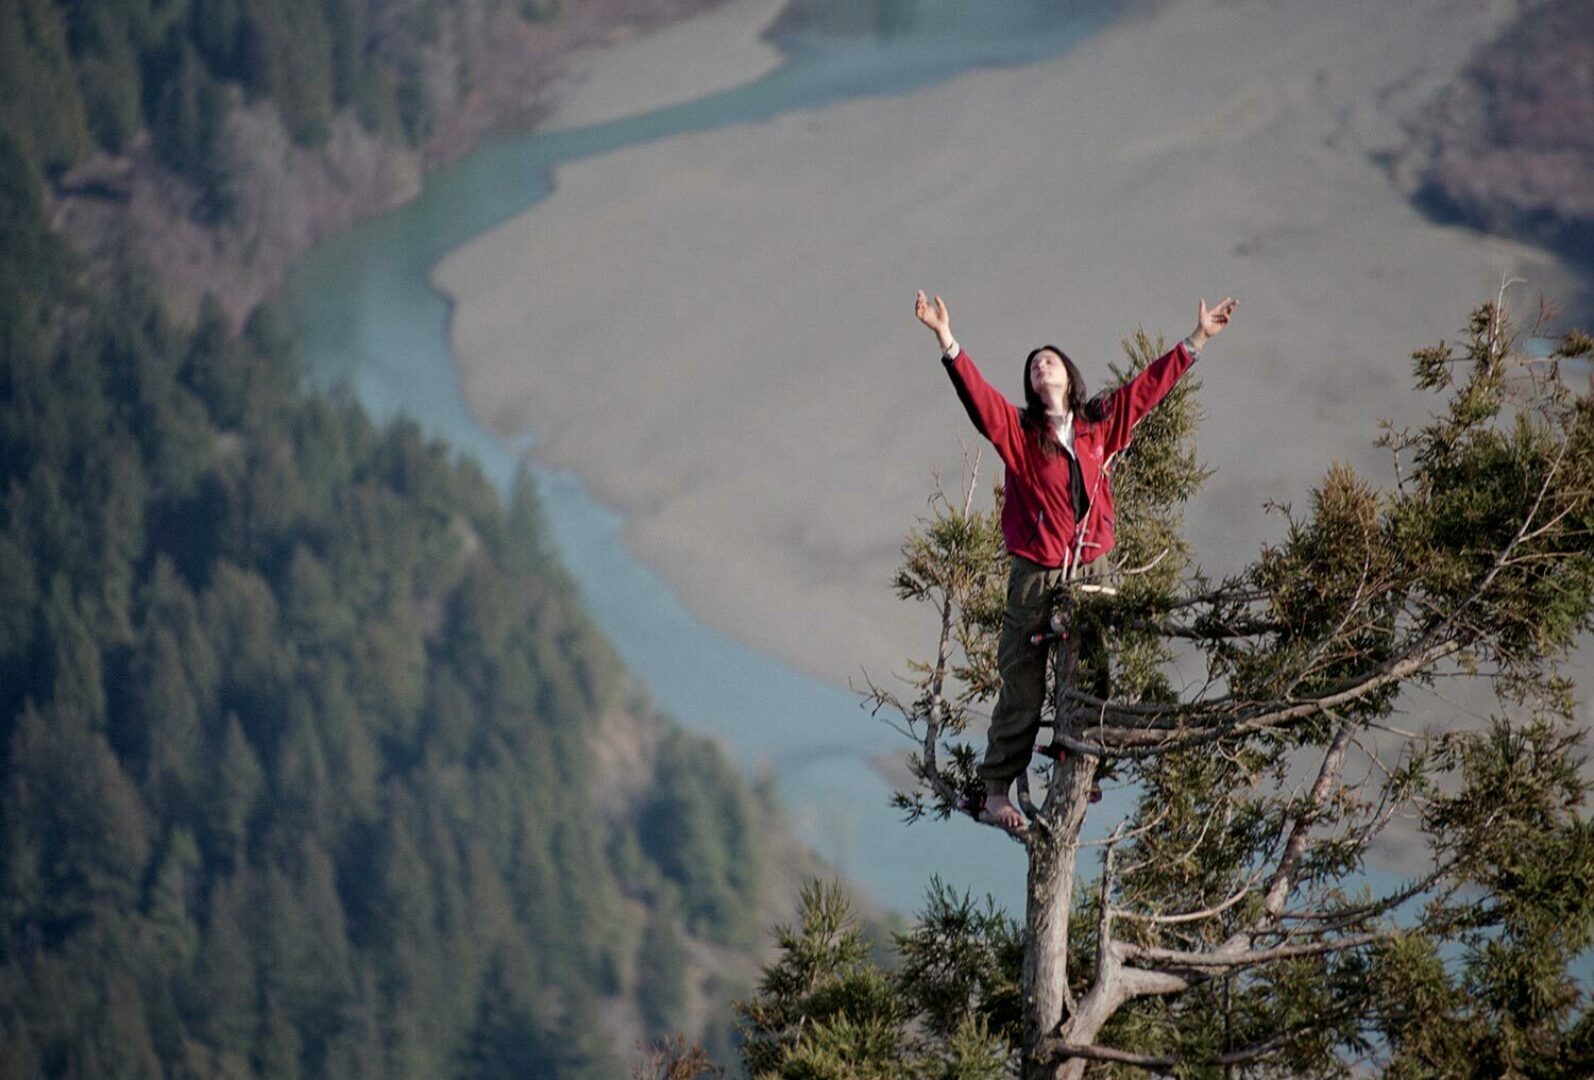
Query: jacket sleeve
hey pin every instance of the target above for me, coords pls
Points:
(994, 416)
(1129, 404)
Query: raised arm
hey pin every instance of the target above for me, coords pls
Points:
(1129, 404)
(995, 417)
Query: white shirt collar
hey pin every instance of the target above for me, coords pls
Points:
(1064, 426)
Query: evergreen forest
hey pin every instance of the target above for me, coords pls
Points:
(299, 717)
(99, 74)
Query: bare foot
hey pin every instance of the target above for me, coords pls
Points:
(1001, 812)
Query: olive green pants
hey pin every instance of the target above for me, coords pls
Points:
(1031, 590)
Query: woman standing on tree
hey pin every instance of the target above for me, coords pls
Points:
(1057, 512)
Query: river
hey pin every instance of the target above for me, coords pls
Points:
(363, 313)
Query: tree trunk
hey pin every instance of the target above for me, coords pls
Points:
(1053, 854)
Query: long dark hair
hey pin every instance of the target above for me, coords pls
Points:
(1036, 422)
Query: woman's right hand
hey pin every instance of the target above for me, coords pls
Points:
(934, 315)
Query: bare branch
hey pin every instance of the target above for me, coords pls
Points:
(1104, 951)
(1231, 593)
(1192, 916)
(1140, 830)
(1168, 730)
(1226, 959)
(1059, 1050)
(1208, 631)
(1146, 569)
(1394, 730)
(1278, 887)
(1331, 921)
(1506, 281)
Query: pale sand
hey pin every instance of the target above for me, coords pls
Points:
(716, 332)
(682, 61)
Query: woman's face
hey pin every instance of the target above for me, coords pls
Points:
(1047, 372)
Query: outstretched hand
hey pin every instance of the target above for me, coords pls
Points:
(1209, 321)
(934, 315)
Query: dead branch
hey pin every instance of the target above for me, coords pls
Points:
(1282, 881)
(1224, 958)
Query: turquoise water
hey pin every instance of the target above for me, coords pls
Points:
(363, 314)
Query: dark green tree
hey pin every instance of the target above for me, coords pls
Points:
(105, 37)
(188, 122)
(224, 990)
(76, 677)
(286, 52)
(662, 995)
(163, 727)
(236, 781)
(172, 900)
(825, 1009)
(508, 1039)
(278, 1048)
(700, 834)
(217, 369)
(578, 1047)
(44, 118)
(217, 32)
(77, 836)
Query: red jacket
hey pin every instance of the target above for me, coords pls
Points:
(1039, 520)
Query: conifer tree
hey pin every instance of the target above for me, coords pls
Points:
(662, 993)
(825, 1008)
(1229, 930)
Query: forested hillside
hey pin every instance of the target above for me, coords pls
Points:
(298, 720)
(220, 138)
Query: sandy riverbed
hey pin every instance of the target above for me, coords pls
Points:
(716, 330)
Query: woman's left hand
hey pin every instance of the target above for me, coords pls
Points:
(1209, 321)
